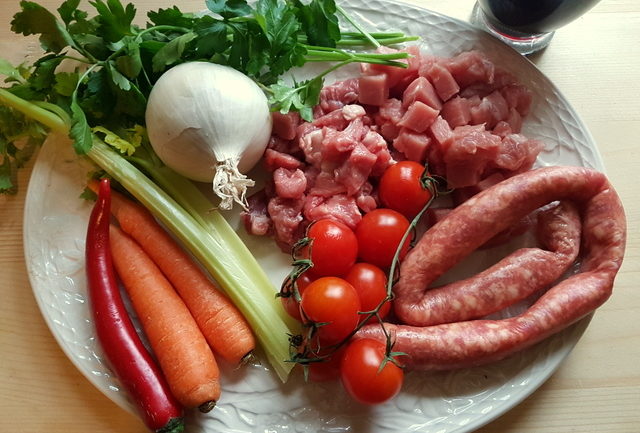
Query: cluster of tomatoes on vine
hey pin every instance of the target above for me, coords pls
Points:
(341, 281)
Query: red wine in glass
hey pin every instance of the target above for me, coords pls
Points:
(527, 25)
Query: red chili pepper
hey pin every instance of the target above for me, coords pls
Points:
(128, 357)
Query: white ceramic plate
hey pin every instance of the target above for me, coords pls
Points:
(253, 399)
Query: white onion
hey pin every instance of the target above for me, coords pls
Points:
(209, 123)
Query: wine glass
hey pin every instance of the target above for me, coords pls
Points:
(527, 25)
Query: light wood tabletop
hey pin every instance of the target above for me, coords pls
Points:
(594, 61)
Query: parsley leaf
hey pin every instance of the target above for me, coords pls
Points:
(130, 63)
(114, 18)
(35, 19)
(96, 98)
(319, 21)
(301, 97)
(19, 138)
(212, 37)
(281, 28)
(172, 52)
(229, 8)
(66, 83)
(80, 131)
(69, 11)
(43, 76)
(171, 17)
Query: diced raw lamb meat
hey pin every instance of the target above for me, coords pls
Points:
(339, 119)
(365, 198)
(514, 120)
(421, 90)
(311, 145)
(388, 129)
(502, 129)
(502, 78)
(280, 145)
(492, 109)
(410, 73)
(337, 95)
(392, 110)
(256, 220)
(499, 106)
(471, 67)
(512, 124)
(388, 116)
(311, 173)
(517, 153)
(518, 97)
(326, 185)
(481, 115)
(337, 144)
(412, 144)
(286, 215)
(328, 168)
(419, 117)
(340, 207)
(444, 83)
(289, 183)
(394, 74)
(468, 153)
(456, 111)
(274, 160)
(355, 171)
(353, 111)
(377, 145)
(479, 90)
(440, 131)
(373, 89)
(285, 125)
(334, 119)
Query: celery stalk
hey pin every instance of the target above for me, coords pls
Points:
(263, 312)
(194, 201)
(210, 239)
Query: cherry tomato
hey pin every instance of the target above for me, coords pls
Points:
(379, 233)
(334, 303)
(334, 249)
(361, 375)
(371, 284)
(328, 369)
(290, 304)
(400, 188)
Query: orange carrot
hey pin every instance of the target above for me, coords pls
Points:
(222, 324)
(182, 351)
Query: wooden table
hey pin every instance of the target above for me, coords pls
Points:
(595, 61)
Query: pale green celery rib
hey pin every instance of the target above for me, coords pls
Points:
(46, 117)
(260, 310)
(194, 201)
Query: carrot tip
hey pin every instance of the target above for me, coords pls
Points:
(207, 406)
(248, 358)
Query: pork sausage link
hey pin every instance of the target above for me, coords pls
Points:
(477, 342)
(514, 278)
(472, 224)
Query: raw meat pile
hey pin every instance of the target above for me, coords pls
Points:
(461, 115)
